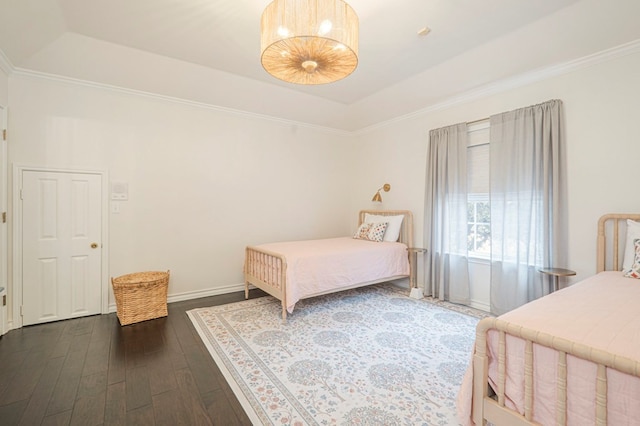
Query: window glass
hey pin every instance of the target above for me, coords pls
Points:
(478, 207)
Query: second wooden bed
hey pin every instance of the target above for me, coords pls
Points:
(267, 269)
(572, 357)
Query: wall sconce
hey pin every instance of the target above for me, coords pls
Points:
(378, 198)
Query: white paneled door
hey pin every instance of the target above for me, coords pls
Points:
(61, 243)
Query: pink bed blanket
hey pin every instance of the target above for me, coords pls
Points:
(601, 312)
(321, 266)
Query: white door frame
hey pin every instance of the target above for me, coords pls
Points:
(4, 188)
(17, 236)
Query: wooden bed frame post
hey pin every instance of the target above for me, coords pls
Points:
(267, 271)
(480, 376)
(615, 219)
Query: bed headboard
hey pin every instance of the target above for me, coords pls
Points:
(406, 231)
(614, 226)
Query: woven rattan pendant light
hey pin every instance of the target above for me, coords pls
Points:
(309, 41)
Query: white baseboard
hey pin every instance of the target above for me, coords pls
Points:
(188, 295)
(480, 305)
(401, 282)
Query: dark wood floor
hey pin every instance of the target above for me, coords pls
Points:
(92, 371)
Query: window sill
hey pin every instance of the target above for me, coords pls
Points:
(479, 260)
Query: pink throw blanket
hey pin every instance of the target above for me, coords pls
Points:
(321, 266)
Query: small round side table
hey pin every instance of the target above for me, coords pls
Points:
(554, 273)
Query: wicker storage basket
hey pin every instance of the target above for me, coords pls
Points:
(141, 296)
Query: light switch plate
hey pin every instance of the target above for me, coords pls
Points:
(119, 191)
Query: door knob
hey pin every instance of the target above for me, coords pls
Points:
(94, 245)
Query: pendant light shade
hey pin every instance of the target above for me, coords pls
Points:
(309, 41)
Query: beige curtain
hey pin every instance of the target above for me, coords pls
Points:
(446, 267)
(528, 210)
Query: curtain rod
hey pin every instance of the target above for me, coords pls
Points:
(477, 121)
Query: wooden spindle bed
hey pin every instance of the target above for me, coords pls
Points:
(267, 269)
(489, 403)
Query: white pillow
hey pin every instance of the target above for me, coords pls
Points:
(633, 233)
(393, 229)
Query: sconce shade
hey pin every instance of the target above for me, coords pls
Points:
(309, 41)
(377, 197)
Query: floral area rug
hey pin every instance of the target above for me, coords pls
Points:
(369, 356)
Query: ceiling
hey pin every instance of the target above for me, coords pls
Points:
(208, 51)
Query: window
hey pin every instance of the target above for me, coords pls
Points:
(478, 205)
(479, 226)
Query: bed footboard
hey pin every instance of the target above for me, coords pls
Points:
(267, 271)
(490, 407)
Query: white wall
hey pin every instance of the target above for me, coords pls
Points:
(203, 183)
(602, 103)
(4, 88)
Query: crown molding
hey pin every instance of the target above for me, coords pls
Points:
(5, 63)
(520, 80)
(171, 99)
(500, 86)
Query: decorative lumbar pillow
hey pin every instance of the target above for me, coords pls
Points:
(393, 229)
(634, 271)
(363, 231)
(633, 233)
(371, 231)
